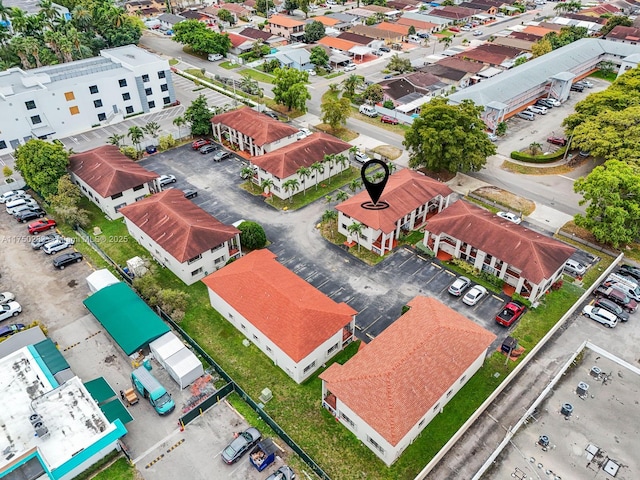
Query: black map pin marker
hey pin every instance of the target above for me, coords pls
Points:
(374, 189)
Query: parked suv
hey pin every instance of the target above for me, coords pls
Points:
(527, 115)
(368, 110)
(537, 109)
(613, 308)
(207, 149)
(600, 315)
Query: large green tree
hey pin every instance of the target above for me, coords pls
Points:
(41, 164)
(612, 191)
(198, 115)
(313, 31)
(252, 235)
(66, 203)
(399, 64)
(373, 93)
(199, 37)
(449, 137)
(319, 57)
(614, 21)
(290, 88)
(335, 112)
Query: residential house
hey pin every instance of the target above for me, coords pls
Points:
(362, 14)
(285, 26)
(392, 388)
(110, 179)
(169, 20)
(181, 236)
(297, 58)
(517, 43)
(404, 4)
(412, 198)
(260, 35)
(240, 12)
(528, 261)
(394, 27)
(252, 131)
(440, 22)
(490, 54)
(328, 22)
(592, 24)
(355, 38)
(283, 164)
(454, 71)
(528, 36)
(338, 45)
(416, 22)
(386, 12)
(417, 84)
(346, 20)
(481, 8)
(297, 326)
(144, 7)
(456, 14)
(239, 44)
(624, 34)
(598, 11)
(376, 33)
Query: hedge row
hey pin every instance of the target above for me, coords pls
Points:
(551, 157)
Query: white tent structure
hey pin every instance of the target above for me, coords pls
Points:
(100, 279)
(181, 363)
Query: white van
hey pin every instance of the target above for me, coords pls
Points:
(19, 202)
(414, 39)
(368, 110)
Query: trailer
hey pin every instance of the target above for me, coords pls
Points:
(263, 454)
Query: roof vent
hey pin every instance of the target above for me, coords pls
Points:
(266, 395)
(566, 410)
(582, 389)
(595, 372)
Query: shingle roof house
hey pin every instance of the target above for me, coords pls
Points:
(389, 391)
(291, 321)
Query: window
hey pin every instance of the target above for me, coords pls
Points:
(126, 96)
(3, 144)
(152, 104)
(118, 207)
(333, 349)
(219, 260)
(347, 419)
(162, 74)
(74, 110)
(375, 444)
(30, 105)
(196, 272)
(437, 406)
(449, 393)
(166, 100)
(93, 89)
(102, 117)
(116, 195)
(122, 82)
(463, 379)
(145, 78)
(164, 87)
(218, 247)
(267, 348)
(421, 422)
(36, 119)
(309, 367)
(129, 109)
(142, 198)
(68, 96)
(242, 326)
(139, 187)
(148, 91)
(344, 226)
(255, 338)
(194, 259)
(230, 316)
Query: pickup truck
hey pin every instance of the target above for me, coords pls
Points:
(511, 312)
(263, 454)
(617, 296)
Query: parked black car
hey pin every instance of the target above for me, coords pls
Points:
(208, 149)
(612, 307)
(65, 259)
(630, 270)
(240, 445)
(577, 88)
(190, 193)
(32, 214)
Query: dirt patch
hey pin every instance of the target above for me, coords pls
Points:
(388, 151)
(343, 134)
(441, 176)
(531, 170)
(506, 199)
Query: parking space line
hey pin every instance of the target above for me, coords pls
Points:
(418, 270)
(152, 448)
(370, 336)
(497, 297)
(450, 273)
(336, 292)
(372, 323)
(436, 265)
(404, 262)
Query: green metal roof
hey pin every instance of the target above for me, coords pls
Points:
(130, 321)
(99, 389)
(115, 409)
(51, 356)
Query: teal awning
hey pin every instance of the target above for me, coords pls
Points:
(99, 389)
(130, 321)
(115, 409)
(51, 356)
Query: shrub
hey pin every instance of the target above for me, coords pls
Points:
(131, 152)
(405, 309)
(520, 299)
(6, 171)
(492, 279)
(252, 235)
(551, 157)
(424, 249)
(464, 266)
(388, 104)
(166, 142)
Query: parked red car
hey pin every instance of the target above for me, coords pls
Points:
(200, 143)
(454, 29)
(557, 141)
(41, 226)
(511, 312)
(388, 119)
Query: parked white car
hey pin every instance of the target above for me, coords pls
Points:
(350, 67)
(13, 195)
(303, 133)
(474, 295)
(512, 217)
(8, 310)
(574, 267)
(6, 297)
(57, 245)
(537, 109)
(600, 315)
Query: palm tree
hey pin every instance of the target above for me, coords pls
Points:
(116, 140)
(291, 185)
(19, 20)
(330, 216)
(317, 168)
(392, 167)
(446, 40)
(329, 160)
(355, 184)
(179, 122)
(356, 229)
(247, 172)
(136, 135)
(328, 198)
(48, 11)
(378, 176)
(152, 128)
(5, 12)
(20, 46)
(350, 84)
(81, 17)
(535, 148)
(341, 196)
(342, 160)
(334, 87)
(303, 174)
(266, 184)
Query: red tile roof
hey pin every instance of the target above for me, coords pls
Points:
(460, 64)
(284, 21)
(293, 314)
(326, 21)
(285, 161)
(262, 128)
(398, 377)
(178, 225)
(406, 190)
(536, 255)
(237, 40)
(416, 23)
(624, 33)
(394, 27)
(108, 171)
(337, 43)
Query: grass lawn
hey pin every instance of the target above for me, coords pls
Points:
(256, 75)
(196, 72)
(400, 129)
(228, 65)
(334, 75)
(412, 238)
(609, 77)
(482, 204)
(174, 61)
(282, 109)
(528, 170)
(329, 231)
(507, 199)
(313, 193)
(343, 133)
(121, 469)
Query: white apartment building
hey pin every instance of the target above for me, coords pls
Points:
(61, 100)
